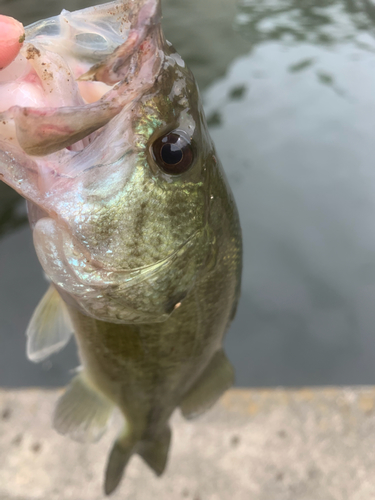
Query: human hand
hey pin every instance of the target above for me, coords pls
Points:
(12, 35)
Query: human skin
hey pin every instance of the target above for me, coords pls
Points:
(11, 39)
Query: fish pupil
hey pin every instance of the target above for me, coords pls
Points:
(171, 154)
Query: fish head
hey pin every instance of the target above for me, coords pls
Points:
(119, 188)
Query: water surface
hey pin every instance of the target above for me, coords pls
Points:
(289, 90)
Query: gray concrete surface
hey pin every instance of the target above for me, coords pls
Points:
(307, 444)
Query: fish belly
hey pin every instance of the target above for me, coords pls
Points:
(145, 370)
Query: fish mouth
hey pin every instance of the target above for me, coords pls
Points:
(39, 139)
(108, 35)
(126, 47)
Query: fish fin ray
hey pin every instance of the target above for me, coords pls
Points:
(82, 412)
(155, 452)
(121, 452)
(49, 329)
(214, 381)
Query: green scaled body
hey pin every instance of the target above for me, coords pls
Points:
(133, 223)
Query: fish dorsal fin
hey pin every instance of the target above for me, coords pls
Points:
(49, 329)
(82, 412)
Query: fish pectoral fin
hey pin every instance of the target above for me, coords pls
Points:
(214, 381)
(50, 328)
(155, 452)
(82, 412)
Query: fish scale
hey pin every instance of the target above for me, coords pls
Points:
(133, 223)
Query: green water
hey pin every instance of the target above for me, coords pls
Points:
(289, 91)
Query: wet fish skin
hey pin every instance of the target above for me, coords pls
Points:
(147, 263)
(147, 369)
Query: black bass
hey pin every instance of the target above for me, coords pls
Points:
(103, 132)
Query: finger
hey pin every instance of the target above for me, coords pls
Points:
(12, 36)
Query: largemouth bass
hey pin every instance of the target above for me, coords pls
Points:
(103, 132)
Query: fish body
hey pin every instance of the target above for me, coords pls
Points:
(133, 222)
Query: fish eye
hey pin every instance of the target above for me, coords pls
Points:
(173, 153)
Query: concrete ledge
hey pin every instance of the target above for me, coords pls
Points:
(306, 444)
